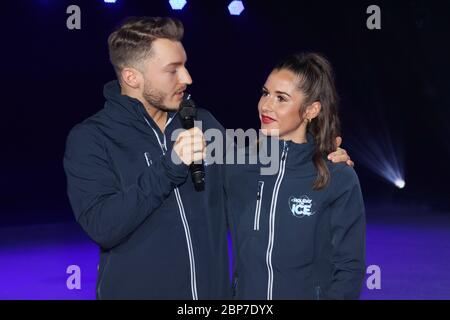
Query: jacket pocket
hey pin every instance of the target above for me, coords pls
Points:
(259, 195)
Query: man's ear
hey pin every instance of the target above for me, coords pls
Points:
(131, 77)
(313, 110)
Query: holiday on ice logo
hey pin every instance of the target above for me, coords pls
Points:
(301, 207)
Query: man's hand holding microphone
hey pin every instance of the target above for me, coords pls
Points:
(190, 146)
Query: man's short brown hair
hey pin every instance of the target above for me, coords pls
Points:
(131, 43)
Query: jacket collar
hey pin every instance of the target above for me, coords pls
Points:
(126, 107)
(296, 153)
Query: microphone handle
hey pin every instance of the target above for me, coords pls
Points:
(198, 176)
(197, 169)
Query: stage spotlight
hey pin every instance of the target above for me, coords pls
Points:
(236, 7)
(375, 149)
(110, 1)
(400, 183)
(177, 4)
(379, 156)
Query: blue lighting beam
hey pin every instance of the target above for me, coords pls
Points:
(374, 149)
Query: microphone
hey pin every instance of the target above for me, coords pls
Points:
(188, 113)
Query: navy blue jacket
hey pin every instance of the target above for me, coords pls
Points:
(158, 237)
(290, 241)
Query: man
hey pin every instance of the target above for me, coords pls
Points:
(158, 237)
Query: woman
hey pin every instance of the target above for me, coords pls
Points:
(298, 234)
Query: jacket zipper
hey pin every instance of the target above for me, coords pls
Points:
(100, 282)
(258, 205)
(187, 232)
(273, 207)
(318, 293)
(235, 284)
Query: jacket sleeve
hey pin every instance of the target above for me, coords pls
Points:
(348, 228)
(106, 211)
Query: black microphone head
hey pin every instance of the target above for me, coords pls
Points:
(187, 112)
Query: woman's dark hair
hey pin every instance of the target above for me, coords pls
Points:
(316, 82)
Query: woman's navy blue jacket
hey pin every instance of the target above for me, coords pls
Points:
(158, 237)
(290, 241)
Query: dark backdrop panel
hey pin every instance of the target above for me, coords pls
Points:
(394, 78)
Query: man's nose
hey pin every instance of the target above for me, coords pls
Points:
(185, 77)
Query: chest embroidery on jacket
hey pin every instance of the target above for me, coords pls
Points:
(301, 207)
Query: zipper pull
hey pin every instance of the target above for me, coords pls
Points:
(285, 149)
(258, 195)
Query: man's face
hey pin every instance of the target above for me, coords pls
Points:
(165, 75)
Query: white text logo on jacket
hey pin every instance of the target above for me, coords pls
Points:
(301, 207)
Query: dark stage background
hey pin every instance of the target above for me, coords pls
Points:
(393, 80)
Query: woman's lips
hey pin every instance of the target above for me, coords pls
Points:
(266, 119)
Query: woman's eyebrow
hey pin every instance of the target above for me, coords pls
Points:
(277, 92)
(282, 92)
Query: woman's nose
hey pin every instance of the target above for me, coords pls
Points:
(267, 104)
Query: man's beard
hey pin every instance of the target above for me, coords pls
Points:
(156, 98)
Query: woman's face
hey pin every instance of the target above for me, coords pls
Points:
(279, 107)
